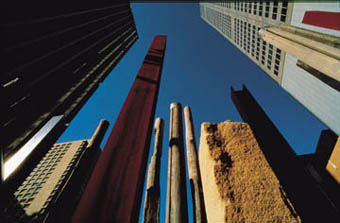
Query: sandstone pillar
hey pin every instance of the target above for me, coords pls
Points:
(176, 195)
(238, 182)
(193, 169)
(152, 194)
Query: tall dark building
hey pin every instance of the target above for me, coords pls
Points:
(307, 198)
(55, 54)
(323, 165)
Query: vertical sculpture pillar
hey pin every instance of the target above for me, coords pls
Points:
(193, 169)
(152, 194)
(114, 191)
(177, 210)
(99, 134)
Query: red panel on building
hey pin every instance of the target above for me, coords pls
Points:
(115, 188)
(329, 20)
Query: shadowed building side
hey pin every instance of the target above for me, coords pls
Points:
(115, 188)
(56, 54)
(152, 194)
(323, 166)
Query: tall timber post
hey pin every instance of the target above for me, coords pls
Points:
(176, 206)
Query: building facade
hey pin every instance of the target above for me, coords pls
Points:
(56, 55)
(54, 187)
(240, 22)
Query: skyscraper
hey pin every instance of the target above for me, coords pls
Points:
(240, 22)
(56, 55)
(52, 190)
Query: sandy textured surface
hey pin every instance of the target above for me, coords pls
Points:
(238, 183)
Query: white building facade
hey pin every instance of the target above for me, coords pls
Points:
(239, 22)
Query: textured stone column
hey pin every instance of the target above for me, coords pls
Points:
(152, 194)
(177, 210)
(193, 169)
(238, 182)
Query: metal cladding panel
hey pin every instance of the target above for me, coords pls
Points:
(320, 99)
(329, 20)
(302, 9)
(115, 188)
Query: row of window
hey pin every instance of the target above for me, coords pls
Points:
(246, 36)
(40, 174)
(226, 24)
(64, 176)
(260, 8)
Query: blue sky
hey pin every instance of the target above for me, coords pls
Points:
(200, 66)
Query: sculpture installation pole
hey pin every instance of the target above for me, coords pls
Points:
(177, 210)
(193, 169)
(152, 194)
(114, 191)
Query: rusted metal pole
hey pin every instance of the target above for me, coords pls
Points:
(152, 194)
(193, 169)
(115, 189)
(177, 197)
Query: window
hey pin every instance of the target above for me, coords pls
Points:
(274, 15)
(264, 44)
(284, 11)
(267, 9)
(249, 30)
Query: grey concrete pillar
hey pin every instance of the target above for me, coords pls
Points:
(152, 194)
(177, 210)
(193, 169)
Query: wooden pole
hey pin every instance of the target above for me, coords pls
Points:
(193, 169)
(152, 194)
